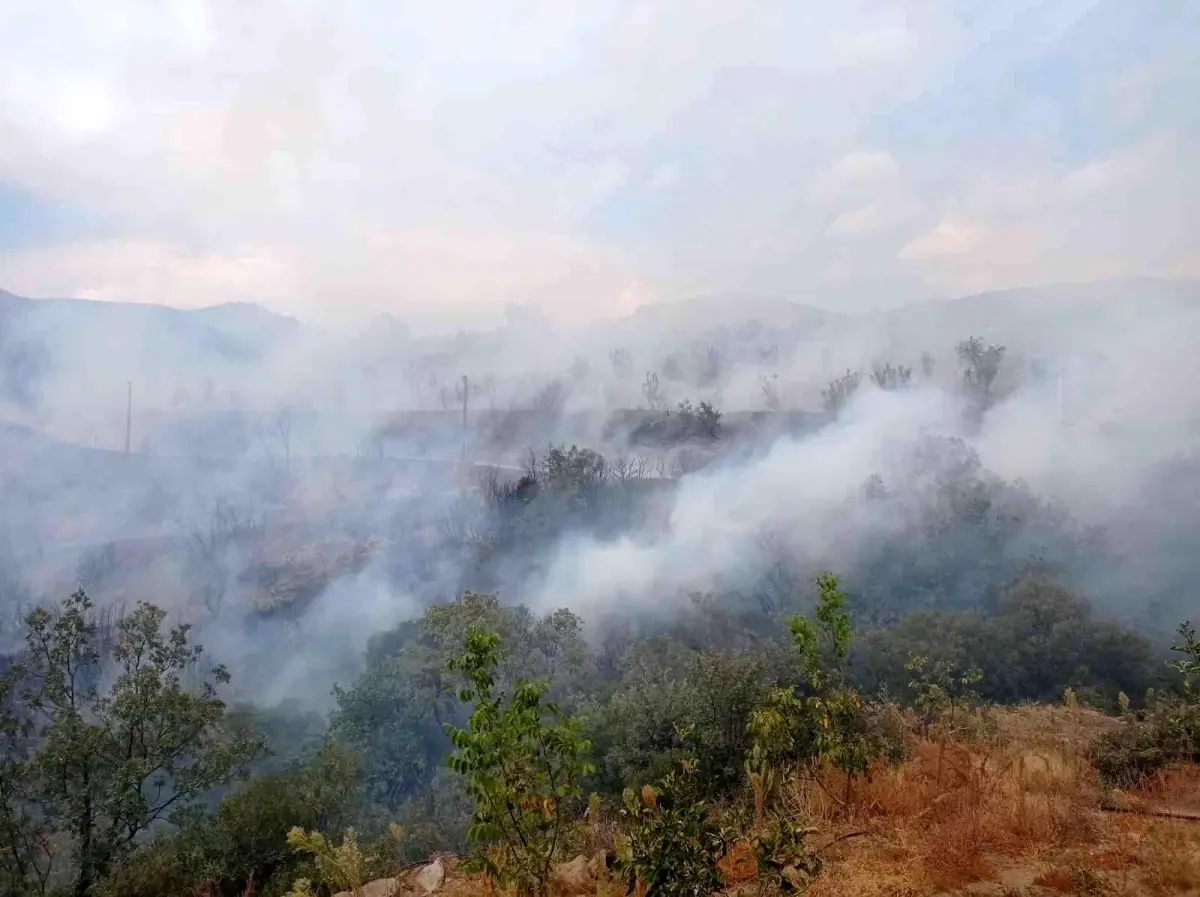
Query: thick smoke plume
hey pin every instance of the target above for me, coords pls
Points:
(293, 492)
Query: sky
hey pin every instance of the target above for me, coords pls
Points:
(438, 161)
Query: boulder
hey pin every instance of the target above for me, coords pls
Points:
(381, 887)
(430, 879)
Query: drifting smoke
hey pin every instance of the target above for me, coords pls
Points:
(293, 493)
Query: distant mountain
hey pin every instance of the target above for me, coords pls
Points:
(730, 310)
(88, 341)
(1042, 317)
(233, 332)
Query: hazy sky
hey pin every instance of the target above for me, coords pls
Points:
(444, 158)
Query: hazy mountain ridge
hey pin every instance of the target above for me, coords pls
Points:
(242, 331)
(237, 331)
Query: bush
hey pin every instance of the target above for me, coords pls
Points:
(522, 764)
(1168, 733)
(670, 846)
(1130, 756)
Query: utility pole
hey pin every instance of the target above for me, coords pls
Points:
(1062, 376)
(465, 389)
(128, 414)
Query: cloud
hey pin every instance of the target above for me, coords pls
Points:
(858, 169)
(859, 221)
(947, 238)
(434, 273)
(643, 145)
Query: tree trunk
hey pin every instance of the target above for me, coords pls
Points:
(83, 831)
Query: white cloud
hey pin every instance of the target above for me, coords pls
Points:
(949, 237)
(434, 273)
(860, 169)
(860, 221)
(721, 144)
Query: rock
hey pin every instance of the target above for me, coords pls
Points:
(381, 887)
(431, 877)
(573, 877)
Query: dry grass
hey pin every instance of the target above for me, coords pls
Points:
(1019, 804)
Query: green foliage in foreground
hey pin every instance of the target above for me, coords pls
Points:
(522, 763)
(118, 762)
(243, 845)
(1168, 731)
(671, 845)
(88, 769)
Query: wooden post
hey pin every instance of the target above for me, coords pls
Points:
(465, 388)
(128, 414)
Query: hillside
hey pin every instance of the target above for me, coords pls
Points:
(1016, 812)
(61, 347)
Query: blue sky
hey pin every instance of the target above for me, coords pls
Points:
(28, 218)
(441, 160)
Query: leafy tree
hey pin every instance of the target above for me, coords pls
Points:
(981, 365)
(243, 845)
(1189, 666)
(112, 762)
(704, 422)
(840, 391)
(397, 710)
(522, 763)
(28, 862)
(831, 721)
(664, 687)
(1041, 639)
(891, 377)
(941, 690)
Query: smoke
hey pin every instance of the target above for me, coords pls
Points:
(309, 489)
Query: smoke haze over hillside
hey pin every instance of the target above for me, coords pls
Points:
(325, 294)
(294, 491)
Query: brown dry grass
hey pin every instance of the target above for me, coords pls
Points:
(1021, 803)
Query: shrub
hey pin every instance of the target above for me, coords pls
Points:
(783, 858)
(522, 764)
(339, 867)
(1168, 733)
(670, 846)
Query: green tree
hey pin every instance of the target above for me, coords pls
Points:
(941, 690)
(395, 714)
(28, 862)
(1189, 665)
(522, 763)
(831, 721)
(243, 846)
(113, 762)
(981, 365)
